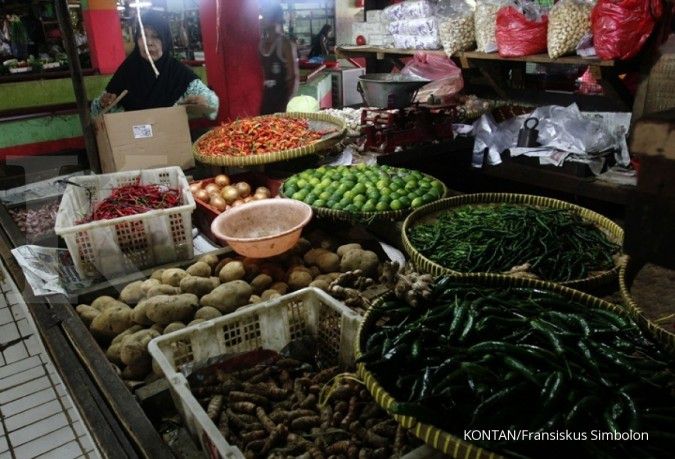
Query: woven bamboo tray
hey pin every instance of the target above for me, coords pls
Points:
(317, 122)
(627, 274)
(365, 217)
(441, 440)
(428, 212)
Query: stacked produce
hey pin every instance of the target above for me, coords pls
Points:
(35, 221)
(284, 407)
(551, 244)
(521, 358)
(363, 189)
(223, 195)
(257, 136)
(134, 199)
(568, 22)
(174, 298)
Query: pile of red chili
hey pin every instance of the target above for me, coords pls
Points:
(132, 200)
(257, 136)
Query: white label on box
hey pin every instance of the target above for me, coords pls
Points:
(142, 131)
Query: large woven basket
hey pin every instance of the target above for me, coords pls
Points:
(317, 122)
(365, 217)
(627, 274)
(428, 212)
(441, 440)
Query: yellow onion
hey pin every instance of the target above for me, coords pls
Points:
(222, 180)
(230, 194)
(248, 199)
(259, 196)
(238, 202)
(219, 203)
(203, 195)
(194, 187)
(263, 190)
(212, 188)
(243, 188)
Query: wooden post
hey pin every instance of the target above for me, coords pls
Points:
(63, 17)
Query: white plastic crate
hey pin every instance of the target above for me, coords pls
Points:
(125, 244)
(269, 325)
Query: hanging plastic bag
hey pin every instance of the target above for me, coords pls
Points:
(621, 27)
(455, 26)
(485, 23)
(521, 31)
(408, 10)
(568, 22)
(421, 26)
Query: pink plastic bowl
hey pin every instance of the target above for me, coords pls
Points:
(264, 228)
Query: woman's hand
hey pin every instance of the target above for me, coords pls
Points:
(106, 99)
(195, 100)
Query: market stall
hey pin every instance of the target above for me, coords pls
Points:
(315, 287)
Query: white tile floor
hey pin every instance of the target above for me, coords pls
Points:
(37, 415)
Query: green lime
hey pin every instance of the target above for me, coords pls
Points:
(348, 195)
(405, 202)
(417, 202)
(428, 197)
(368, 206)
(344, 202)
(351, 208)
(325, 195)
(395, 205)
(373, 194)
(359, 188)
(382, 206)
(411, 185)
(319, 203)
(331, 203)
(310, 198)
(359, 198)
(299, 195)
(302, 183)
(290, 190)
(314, 181)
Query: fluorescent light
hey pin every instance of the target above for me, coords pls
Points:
(140, 4)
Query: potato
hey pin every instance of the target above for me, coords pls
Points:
(228, 297)
(199, 269)
(113, 351)
(173, 276)
(314, 271)
(280, 287)
(159, 328)
(269, 294)
(346, 248)
(200, 286)
(162, 290)
(276, 272)
(328, 278)
(252, 267)
(111, 322)
(195, 322)
(157, 274)
(148, 284)
(312, 256)
(134, 347)
(164, 309)
(365, 260)
(234, 270)
(102, 302)
(207, 313)
(210, 259)
(215, 281)
(320, 284)
(87, 313)
(328, 262)
(172, 327)
(254, 299)
(132, 293)
(301, 268)
(222, 263)
(295, 260)
(299, 279)
(261, 282)
(137, 372)
(138, 314)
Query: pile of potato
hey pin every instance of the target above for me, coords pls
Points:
(174, 298)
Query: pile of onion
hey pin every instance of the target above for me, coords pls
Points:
(223, 195)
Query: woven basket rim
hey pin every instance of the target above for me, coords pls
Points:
(318, 146)
(427, 265)
(436, 437)
(368, 217)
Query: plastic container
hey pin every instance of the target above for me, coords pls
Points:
(125, 244)
(262, 229)
(269, 325)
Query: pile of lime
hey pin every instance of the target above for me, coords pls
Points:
(362, 188)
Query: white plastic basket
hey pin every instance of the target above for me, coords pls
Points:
(125, 244)
(269, 325)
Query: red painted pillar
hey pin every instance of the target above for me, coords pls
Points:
(233, 68)
(104, 33)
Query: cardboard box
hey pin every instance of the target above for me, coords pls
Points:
(144, 139)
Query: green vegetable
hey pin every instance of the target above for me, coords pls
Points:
(554, 244)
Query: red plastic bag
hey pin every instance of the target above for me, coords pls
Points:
(519, 36)
(621, 27)
(431, 67)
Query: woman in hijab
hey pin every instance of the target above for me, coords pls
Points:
(175, 84)
(320, 42)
